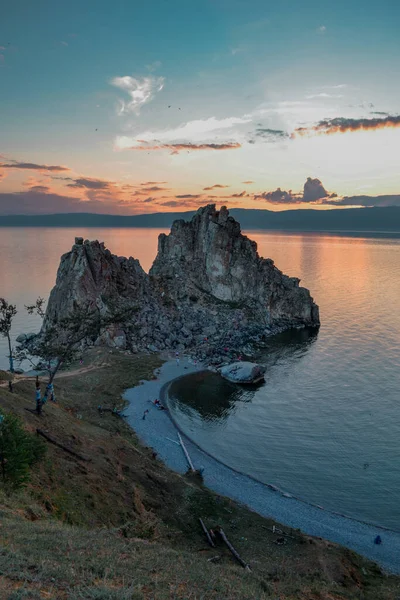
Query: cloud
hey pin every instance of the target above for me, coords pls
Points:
(342, 124)
(176, 148)
(217, 185)
(378, 112)
(2, 59)
(239, 195)
(236, 50)
(64, 43)
(89, 183)
(39, 188)
(321, 29)
(171, 203)
(324, 95)
(248, 182)
(153, 188)
(313, 193)
(366, 201)
(3, 175)
(199, 131)
(313, 190)
(141, 91)
(154, 182)
(14, 164)
(188, 196)
(279, 196)
(269, 135)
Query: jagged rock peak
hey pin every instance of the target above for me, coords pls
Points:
(207, 282)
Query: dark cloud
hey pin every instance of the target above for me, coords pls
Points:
(241, 195)
(367, 201)
(217, 185)
(14, 164)
(279, 196)
(89, 183)
(39, 188)
(378, 112)
(154, 183)
(171, 203)
(313, 190)
(188, 196)
(176, 148)
(154, 188)
(341, 125)
(314, 193)
(269, 135)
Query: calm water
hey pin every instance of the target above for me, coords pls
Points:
(326, 424)
(29, 259)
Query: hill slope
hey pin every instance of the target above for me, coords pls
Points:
(382, 219)
(119, 525)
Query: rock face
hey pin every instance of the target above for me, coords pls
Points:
(207, 291)
(243, 372)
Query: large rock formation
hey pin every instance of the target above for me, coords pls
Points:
(207, 291)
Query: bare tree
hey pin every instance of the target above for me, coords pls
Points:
(7, 314)
(61, 342)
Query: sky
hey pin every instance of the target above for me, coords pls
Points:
(140, 107)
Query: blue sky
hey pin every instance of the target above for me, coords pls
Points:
(81, 82)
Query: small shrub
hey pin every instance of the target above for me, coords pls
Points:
(19, 450)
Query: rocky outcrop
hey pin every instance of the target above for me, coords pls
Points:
(208, 291)
(243, 372)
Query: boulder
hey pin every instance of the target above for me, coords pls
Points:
(21, 338)
(243, 372)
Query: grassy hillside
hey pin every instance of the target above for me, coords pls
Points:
(116, 524)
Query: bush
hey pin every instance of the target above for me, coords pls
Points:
(19, 450)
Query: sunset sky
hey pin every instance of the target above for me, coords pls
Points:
(130, 107)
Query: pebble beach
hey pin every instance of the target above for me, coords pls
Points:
(158, 431)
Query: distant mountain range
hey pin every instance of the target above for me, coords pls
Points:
(351, 220)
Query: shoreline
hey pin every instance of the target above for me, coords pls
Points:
(158, 430)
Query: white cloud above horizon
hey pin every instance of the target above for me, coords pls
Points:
(141, 91)
(198, 130)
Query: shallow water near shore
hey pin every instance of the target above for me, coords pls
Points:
(326, 424)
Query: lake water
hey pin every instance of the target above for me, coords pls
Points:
(325, 426)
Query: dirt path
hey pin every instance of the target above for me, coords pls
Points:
(73, 373)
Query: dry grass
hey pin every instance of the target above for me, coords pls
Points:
(120, 525)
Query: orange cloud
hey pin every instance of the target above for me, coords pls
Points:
(342, 125)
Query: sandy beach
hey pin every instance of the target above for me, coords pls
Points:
(158, 431)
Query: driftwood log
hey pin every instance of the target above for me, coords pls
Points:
(50, 439)
(232, 549)
(186, 454)
(204, 528)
